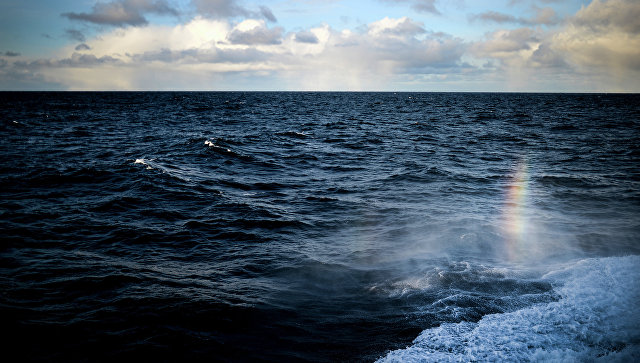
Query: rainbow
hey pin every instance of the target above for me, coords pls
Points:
(514, 212)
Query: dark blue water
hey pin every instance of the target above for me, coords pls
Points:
(320, 226)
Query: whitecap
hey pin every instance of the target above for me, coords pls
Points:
(597, 318)
(212, 145)
(143, 162)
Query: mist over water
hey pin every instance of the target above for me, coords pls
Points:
(320, 226)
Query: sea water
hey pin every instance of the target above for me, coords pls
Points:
(320, 226)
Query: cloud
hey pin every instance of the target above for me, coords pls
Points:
(85, 60)
(426, 6)
(543, 16)
(267, 14)
(514, 2)
(208, 56)
(222, 9)
(198, 33)
(604, 35)
(123, 12)
(612, 15)
(253, 32)
(15, 79)
(494, 16)
(75, 60)
(306, 37)
(11, 54)
(388, 52)
(545, 57)
(217, 54)
(396, 27)
(546, 16)
(51, 74)
(423, 6)
(508, 55)
(596, 49)
(75, 35)
(432, 55)
(82, 46)
(503, 43)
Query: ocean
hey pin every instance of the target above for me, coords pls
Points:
(320, 227)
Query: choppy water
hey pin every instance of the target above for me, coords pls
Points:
(320, 226)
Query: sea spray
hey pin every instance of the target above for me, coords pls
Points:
(596, 318)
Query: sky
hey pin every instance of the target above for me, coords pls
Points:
(314, 45)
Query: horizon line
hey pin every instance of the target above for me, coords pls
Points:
(314, 91)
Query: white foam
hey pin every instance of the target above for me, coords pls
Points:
(143, 162)
(596, 318)
(211, 144)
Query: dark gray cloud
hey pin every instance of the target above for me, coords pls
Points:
(75, 34)
(426, 6)
(256, 36)
(83, 46)
(306, 37)
(543, 16)
(164, 55)
(123, 12)
(13, 78)
(76, 60)
(544, 56)
(237, 56)
(267, 14)
(198, 56)
(229, 9)
(220, 8)
(85, 60)
(11, 54)
(423, 6)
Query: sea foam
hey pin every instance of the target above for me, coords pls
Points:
(143, 162)
(596, 318)
(214, 146)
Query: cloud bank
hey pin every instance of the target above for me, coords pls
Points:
(228, 46)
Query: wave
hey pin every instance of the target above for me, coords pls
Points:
(293, 134)
(597, 318)
(216, 147)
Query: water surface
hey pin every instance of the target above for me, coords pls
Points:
(320, 226)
